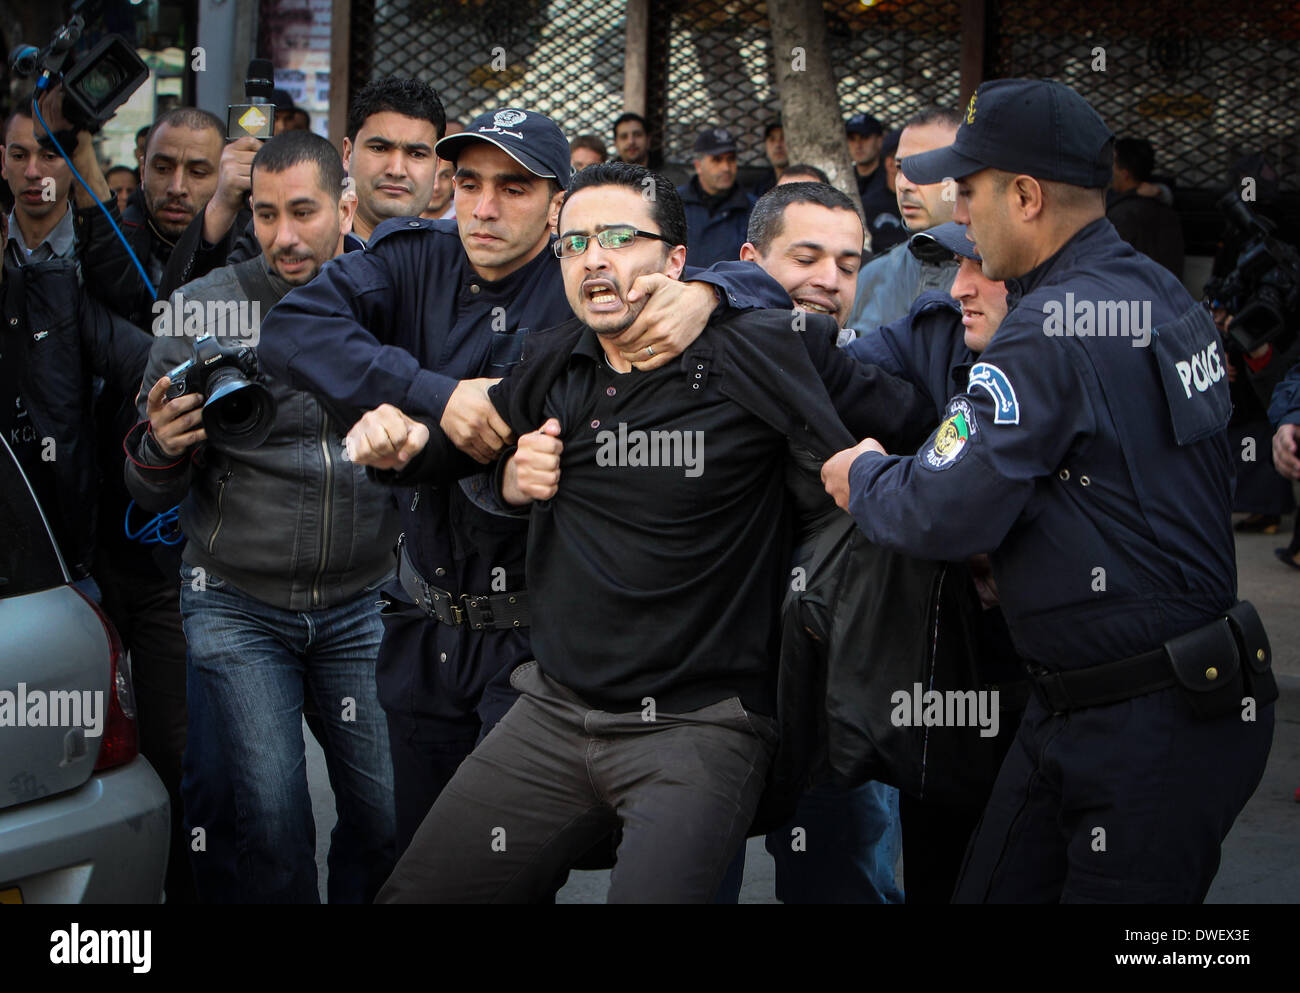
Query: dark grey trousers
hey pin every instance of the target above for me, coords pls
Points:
(554, 777)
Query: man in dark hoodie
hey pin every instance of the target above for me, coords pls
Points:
(287, 544)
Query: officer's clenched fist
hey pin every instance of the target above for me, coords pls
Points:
(533, 472)
(835, 471)
(1285, 444)
(472, 423)
(386, 438)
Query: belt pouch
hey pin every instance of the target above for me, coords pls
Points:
(1208, 669)
(1256, 655)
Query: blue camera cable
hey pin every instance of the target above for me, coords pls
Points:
(161, 529)
(43, 84)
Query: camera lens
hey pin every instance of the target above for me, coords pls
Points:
(101, 82)
(239, 412)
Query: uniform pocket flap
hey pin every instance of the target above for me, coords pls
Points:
(1205, 659)
(1189, 354)
(1252, 639)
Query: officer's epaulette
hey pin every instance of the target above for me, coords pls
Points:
(396, 225)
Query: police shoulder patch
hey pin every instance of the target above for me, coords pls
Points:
(995, 382)
(953, 438)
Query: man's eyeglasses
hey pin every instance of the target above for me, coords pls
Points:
(569, 246)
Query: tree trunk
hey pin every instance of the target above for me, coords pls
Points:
(810, 104)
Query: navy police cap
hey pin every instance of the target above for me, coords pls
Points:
(863, 124)
(531, 139)
(1034, 127)
(942, 242)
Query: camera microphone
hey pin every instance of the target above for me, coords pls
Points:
(255, 119)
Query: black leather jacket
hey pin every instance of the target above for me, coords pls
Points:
(291, 522)
(62, 338)
(107, 268)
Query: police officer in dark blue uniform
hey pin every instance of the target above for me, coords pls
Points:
(424, 319)
(1088, 455)
(717, 209)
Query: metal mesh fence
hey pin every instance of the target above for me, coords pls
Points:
(710, 60)
(890, 60)
(564, 59)
(1206, 83)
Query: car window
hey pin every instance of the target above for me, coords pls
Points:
(28, 559)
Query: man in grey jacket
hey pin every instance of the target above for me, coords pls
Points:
(288, 543)
(889, 283)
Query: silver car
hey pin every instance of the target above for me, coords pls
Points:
(83, 816)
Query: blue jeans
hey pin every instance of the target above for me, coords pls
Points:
(847, 850)
(249, 666)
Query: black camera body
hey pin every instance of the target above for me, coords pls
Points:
(1262, 293)
(95, 85)
(239, 409)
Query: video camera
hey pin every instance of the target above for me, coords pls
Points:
(1263, 292)
(239, 410)
(95, 85)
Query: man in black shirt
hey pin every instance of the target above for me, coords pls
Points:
(1147, 222)
(656, 570)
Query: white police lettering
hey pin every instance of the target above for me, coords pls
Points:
(995, 382)
(1202, 370)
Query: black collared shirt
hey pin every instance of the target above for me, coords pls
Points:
(402, 322)
(658, 568)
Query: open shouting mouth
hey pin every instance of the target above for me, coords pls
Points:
(602, 296)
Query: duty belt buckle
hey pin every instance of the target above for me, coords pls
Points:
(1048, 686)
(434, 598)
(478, 609)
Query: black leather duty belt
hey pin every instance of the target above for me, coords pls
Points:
(1214, 663)
(1098, 685)
(495, 612)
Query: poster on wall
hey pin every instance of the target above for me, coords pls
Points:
(300, 52)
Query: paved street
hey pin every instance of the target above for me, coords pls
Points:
(1260, 856)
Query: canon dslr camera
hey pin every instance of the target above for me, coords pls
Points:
(239, 409)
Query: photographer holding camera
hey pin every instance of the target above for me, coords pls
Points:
(288, 542)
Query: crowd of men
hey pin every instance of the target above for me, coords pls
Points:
(519, 538)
